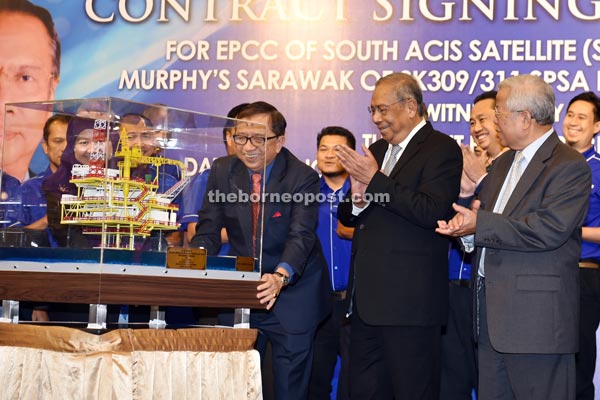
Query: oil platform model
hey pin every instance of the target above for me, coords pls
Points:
(119, 210)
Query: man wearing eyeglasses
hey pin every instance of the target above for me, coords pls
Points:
(526, 226)
(294, 285)
(399, 277)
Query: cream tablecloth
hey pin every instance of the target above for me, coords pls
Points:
(50, 362)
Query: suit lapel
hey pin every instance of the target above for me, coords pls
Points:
(531, 173)
(412, 148)
(495, 181)
(274, 183)
(379, 149)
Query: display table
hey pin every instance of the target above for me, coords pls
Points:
(122, 277)
(52, 362)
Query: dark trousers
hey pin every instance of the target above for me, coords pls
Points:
(459, 355)
(504, 376)
(331, 339)
(387, 362)
(589, 318)
(291, 356)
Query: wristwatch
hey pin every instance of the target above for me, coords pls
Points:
(284, 279)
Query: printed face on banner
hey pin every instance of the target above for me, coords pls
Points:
(26, 74)
(153, 52)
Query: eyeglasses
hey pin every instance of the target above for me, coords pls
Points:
(255, 140)
(383, 108)
(498, 113)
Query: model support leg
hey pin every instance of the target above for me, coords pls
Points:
(157, 318)
(10, 311)
(97, 316)
(241, 318)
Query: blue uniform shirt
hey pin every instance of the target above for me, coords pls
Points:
(34, 200)
(336, 250)
(10, 201)
(191, 203)
(193, 195)
(588, 249)
(459, 262)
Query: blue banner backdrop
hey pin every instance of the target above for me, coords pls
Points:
(317, 60)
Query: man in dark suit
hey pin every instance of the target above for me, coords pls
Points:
(294, 283)
(527, 229)
(399, 276)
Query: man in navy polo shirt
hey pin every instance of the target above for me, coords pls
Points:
(333, 334)
(580, 125)
(33, 213)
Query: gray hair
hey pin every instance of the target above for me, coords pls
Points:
(531, 93)
(405, 87)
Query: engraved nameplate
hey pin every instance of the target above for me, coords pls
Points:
(186, 258)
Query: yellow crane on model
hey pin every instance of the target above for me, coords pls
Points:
(110, 203)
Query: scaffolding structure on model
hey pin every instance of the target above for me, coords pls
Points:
(116, 207)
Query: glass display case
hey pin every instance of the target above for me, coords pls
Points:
(106, 224)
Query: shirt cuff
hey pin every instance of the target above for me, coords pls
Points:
(479, 180)
(357, 210)
(289, 270)
(468, 243)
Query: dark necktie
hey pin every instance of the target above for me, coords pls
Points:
(255, 199)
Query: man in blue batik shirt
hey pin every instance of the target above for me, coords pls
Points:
(10, 201)
(333, 334)
(33, 212)
(580, 125)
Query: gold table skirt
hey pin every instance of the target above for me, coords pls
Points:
(51, 362)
